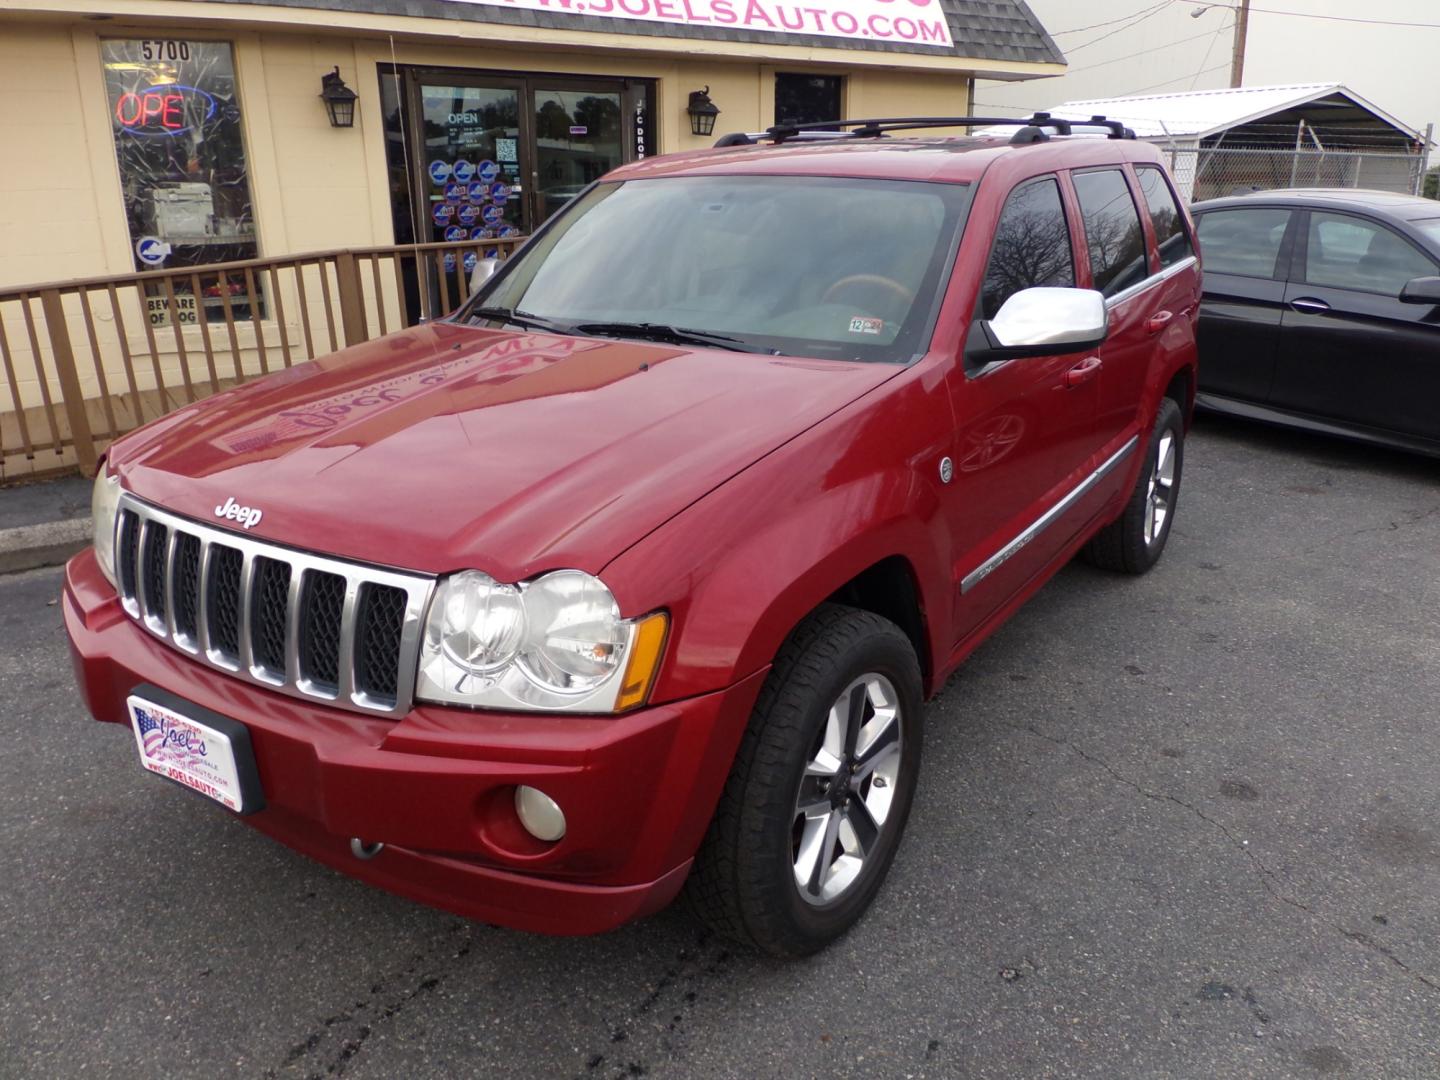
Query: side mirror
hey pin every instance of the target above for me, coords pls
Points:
(1421, 290)
(483, 272)
(1042, 321)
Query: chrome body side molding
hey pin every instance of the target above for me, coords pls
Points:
(1045, 520)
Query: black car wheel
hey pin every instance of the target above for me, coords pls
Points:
(816, 802)
(1134, 541)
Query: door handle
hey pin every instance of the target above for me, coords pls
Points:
(1158, 321)
(1083, 372)
(1309, 305)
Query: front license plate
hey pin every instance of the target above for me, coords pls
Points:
(175, 744)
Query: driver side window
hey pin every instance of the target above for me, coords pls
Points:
(1032, 246)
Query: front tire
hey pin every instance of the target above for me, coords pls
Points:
(816, 802)
(1134, 541)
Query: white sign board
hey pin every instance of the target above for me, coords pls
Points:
(157, 310)
(909, 22)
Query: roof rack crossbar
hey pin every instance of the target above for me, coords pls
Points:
(878, 127)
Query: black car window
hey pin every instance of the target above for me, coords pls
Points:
(1165, 215)
(1347, 252)
(1032, 246)
(1244, 242)
(1112, 230)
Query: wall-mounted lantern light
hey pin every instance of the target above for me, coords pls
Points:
(702, 112)
(339, 100)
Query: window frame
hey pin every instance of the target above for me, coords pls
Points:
(1300, 264)
(1284, 255)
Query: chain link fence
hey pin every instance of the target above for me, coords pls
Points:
(1203, 173)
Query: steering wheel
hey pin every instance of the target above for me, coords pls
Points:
(904, 295)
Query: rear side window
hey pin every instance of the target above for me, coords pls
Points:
(1112, 230)
(1243, 242)
(1344, 252)
(1165, 215)
(1032, 246)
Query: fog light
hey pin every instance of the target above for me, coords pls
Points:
(540, 814)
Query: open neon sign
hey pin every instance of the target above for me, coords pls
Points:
(167, 110)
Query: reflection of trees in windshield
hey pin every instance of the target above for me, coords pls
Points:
(1032, 246)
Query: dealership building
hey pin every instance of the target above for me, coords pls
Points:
(196, 192)
(164, 133)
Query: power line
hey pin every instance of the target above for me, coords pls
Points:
(1208, 50)
(1145, 52)
(1335, 18)
(1127, 56)
(1182, 78)
(1111, 22)
(1150, 13)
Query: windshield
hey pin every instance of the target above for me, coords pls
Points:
(794, 265)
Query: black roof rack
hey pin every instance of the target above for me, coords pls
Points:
(1032, 129)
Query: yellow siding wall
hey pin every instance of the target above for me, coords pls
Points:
(313, 186)
(49, 221)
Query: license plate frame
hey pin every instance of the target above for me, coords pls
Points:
(196, 748)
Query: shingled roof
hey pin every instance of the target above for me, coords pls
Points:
(1003, 30)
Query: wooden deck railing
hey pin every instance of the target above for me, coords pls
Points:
(88, 360)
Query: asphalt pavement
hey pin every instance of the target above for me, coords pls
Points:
(1186, 825)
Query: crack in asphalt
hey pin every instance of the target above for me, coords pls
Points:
(386, 1001)
(694, 966)
(1413, 517)
(1266, 875)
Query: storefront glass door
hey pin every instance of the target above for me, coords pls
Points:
(579, 136)
(473, 155)
(470, 163)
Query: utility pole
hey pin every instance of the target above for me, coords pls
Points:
(1242, 27)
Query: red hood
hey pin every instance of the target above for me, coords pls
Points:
(447, 446)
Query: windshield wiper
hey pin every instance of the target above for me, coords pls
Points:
(677, 335)
(519, 318)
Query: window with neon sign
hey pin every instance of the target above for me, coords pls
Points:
(179, 142)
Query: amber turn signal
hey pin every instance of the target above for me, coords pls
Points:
(644, 662)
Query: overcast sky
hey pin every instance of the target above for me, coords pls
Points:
(1157, 47)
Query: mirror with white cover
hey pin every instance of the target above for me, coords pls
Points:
(1046, 320)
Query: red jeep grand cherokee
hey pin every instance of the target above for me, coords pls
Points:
(634, 574)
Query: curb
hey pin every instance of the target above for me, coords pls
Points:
(26, 547)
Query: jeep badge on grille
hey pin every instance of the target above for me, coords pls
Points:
(247, 516)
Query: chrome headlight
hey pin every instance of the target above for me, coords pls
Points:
(556, 643)
(104, 500)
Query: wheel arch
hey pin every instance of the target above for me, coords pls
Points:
(889, 588)
(1181, 390)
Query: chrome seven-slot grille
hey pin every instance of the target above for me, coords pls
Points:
(310, 626)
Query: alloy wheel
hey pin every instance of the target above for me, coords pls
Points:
(1159, 496)
(847, 790)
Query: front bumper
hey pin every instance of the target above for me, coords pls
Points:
(436, 787)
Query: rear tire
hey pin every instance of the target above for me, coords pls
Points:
(816, 802)
(1134, 541)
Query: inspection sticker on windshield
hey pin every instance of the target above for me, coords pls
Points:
(866, 324)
